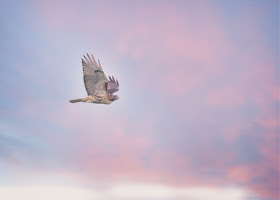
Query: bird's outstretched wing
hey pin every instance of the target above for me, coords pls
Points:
(94, 78)
(113, 85)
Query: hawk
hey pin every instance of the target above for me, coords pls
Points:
(99, 88)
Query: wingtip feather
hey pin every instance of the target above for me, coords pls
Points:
(99, 63)
(93, 59)
(86, 58)
(89, 58)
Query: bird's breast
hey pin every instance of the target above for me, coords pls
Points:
(101, 99)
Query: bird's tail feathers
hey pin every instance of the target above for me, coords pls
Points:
(76, 100)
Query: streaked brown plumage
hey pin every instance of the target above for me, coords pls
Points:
(99, 89)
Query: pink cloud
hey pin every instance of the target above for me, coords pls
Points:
(241, 174)
(179, 59)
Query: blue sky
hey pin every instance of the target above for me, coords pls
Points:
(197, 112)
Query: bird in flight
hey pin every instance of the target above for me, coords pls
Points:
(99, 88)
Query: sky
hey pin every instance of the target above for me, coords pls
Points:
(197, 117)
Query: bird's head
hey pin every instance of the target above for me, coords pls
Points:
(113, 97)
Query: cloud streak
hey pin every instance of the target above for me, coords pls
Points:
(198, 105)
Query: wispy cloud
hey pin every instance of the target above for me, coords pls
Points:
(198, 106)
